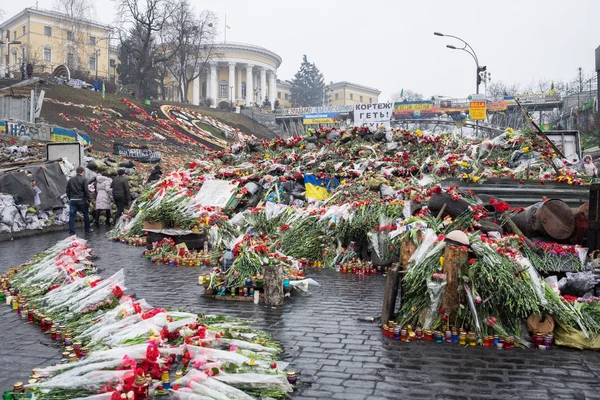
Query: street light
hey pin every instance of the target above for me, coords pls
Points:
(8, 43)
(467, 49)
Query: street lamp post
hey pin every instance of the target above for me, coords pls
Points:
(97, 54)
(468, 49)
(8, 43)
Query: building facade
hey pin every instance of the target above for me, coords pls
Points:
(238, 73)
(49, 39)
(346, 93)
(284, 93)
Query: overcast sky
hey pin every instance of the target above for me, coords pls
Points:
(390, 45)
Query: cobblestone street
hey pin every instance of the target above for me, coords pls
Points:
(335, 355)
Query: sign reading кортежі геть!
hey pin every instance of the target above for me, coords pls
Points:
(373, 115)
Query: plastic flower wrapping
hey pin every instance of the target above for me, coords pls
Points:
(117, 344)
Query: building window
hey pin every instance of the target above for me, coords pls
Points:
(70, 60)
(92, 40)
(47, 54)
(23, 29)
(47, 31)
(361, 99)
(370, 100)
(70, 36)
(204, 92)
(92, 63)
(337, 96)
(15, 57)
(351, 96)
(278, 95)
(23, 55)
(244, 90)
(15, 35)
(287, 96)
(223, 90)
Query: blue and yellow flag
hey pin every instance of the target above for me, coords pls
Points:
(103, 89)
(318, 188)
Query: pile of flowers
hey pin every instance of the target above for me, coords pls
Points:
(116, 344)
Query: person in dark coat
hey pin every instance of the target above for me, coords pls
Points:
(22, 71)
(79, 197)
(121, 194)
(29, 70)
(155, 175)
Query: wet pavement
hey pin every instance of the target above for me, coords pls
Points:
(335, 355)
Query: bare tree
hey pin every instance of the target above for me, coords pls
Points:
(191, 37)
(147, 17)
(407, 95)
(499, 89)
(77, 13)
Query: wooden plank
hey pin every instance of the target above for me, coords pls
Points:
(390, 294)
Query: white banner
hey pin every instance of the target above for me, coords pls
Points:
(373, 115)
(215, 193)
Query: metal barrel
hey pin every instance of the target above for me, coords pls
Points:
(552, 218)
(526, 220)
(555, 219)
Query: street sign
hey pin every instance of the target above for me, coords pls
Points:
(477, 97)
(477, 110)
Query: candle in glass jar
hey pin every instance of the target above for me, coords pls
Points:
(419, 333)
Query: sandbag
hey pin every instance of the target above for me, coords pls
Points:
(570, 337)
(126, 164)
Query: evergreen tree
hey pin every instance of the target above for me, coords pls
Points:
(308, 85)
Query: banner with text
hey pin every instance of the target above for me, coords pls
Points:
(373, 115)
(327, 118)
(142, 154)
(299, 111)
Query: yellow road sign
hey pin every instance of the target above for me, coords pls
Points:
(477, 110)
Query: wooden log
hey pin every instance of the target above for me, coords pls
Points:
(407, 249)
(454, 260)
(390, 294)
(273, 285)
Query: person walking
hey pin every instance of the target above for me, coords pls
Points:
(155, 175)
(79, 197)
(103, 203)
(121, 194)
(29, 70)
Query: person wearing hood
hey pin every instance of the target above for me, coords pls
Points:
(589, 167)
(155, 175)
(103, 203)
(121, 193)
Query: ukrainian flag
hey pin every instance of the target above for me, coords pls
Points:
(318, 188)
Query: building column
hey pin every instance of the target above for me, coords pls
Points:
(214, 85)
(207, 94)
(232, 82)
(256, 96)
(239, 83)
(249, 85)
(263, 85)
(272, 89)
(196, 99)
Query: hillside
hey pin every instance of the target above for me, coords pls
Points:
(182, 128)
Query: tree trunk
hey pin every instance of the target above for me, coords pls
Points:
(390, 294)
(407, 249)
(454, 260)
(273, 285)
